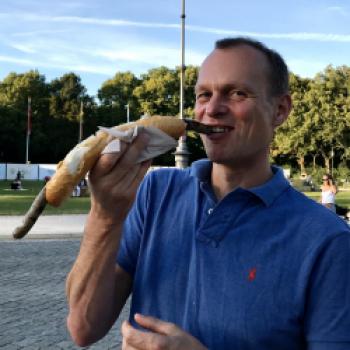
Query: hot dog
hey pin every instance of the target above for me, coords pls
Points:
(73, 168)
(83, 156)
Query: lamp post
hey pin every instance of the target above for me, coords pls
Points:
(182, 154)
(29, 127)
(332, 161)
(81, 121)
(127, 112)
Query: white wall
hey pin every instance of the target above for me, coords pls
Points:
(46, 170)
(2, 171)
(8, 171)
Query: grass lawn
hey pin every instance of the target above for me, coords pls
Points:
(18, 202)
(342, 197)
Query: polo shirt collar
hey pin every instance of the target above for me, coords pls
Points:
(270, 190)
(267, 192)
(201, 169)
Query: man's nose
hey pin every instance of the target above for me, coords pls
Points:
(216, 107)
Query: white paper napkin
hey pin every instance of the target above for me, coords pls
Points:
(159, 142)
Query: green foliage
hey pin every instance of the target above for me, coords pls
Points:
(294, 136)
(115, 94)
(158, 92)
(66, 94)
(15, 90)
(318, 126)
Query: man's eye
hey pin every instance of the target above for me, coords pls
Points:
(238, 95)
(203, 95)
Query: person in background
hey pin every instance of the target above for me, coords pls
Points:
(16, 184)
(47, 179)
(329, 190)
(225, 254)
(76, 191)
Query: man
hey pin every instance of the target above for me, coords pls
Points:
(222, 255)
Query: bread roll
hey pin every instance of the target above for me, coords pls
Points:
(83, 156)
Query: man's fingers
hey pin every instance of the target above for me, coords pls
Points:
(127, 157)
(107, 161)
(144, 166)
(156, 325)
(135, 338)
(160, 335)
(133, 152)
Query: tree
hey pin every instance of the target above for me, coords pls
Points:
(114, 95)
(14, 92)
(66, 95)
(158, 92)
(329, 110)
(294, 137)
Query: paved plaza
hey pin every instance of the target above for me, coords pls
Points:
(47, 226)
(33, 308)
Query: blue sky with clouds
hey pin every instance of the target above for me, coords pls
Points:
(95, 39)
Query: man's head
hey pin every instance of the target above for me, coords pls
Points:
(278, 75)
(242, 86)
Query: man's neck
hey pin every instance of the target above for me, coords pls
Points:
(226, 178)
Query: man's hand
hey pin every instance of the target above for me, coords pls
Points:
(95, 286)
(115, 178)
(161, 335)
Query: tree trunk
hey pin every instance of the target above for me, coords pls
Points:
(327, 164)
(314, 162)
(301, 161)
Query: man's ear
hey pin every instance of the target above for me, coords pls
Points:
(283, 108)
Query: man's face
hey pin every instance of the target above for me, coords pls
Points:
(233, 91)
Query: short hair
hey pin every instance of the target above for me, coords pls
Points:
(278, 75)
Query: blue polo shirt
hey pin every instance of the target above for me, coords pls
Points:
(262, 269)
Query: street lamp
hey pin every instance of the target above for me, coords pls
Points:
(182, 154)
(29, 127)
(332, 161)
(127, 112)
(81, 121)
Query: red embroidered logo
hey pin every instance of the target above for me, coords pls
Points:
(252, 274)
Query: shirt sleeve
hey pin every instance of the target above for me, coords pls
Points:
(132, 231)
(327, 312)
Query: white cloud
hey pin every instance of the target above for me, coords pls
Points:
(60, 64)
(20, 61)
(86, 20)
(150, 55)
(38, 33)
(290, 36)
(86, 49)
(23, 48)
(338, 10)
(301, 36)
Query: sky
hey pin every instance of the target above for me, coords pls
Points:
(98, 38)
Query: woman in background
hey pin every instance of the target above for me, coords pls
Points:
(329, 190)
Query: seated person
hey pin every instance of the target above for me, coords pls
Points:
(16, 184)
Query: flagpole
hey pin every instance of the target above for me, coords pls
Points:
(29, 127)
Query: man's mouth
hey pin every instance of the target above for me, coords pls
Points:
(220, 129)
(206, 128)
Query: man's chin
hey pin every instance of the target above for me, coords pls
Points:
(218, 159)
(228, 160)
